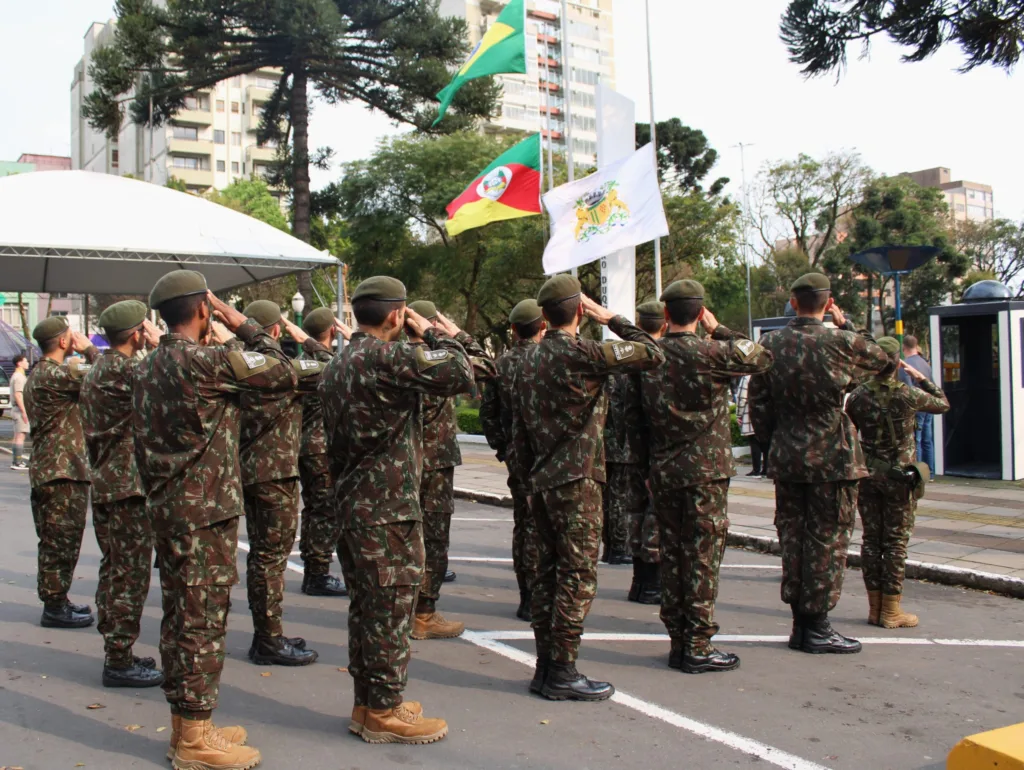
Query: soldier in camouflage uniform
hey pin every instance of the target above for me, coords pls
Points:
(496, 418)
(58, 470)
(816, 460)
(441, 455)
(187, 413)
(884, 409)
(559, 410)
(123, 530)
(319, 531)
(686, 402)
(269, 455)
(373, 415)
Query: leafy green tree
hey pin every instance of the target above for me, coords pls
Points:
(684, 156)
(252, 197)
(817, 32)
(995, 248)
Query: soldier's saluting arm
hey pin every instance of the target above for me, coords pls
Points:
(636, 352)
(439, 368)
(927, 396)
(732, 354)
(864, 358)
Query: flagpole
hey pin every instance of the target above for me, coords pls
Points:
(654, 142)
(567, 80)
(547, 110)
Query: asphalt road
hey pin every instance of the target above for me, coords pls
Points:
(900, 704)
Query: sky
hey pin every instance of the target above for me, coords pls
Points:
(718, 66)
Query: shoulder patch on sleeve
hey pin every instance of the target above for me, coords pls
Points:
(304, 368)
(623, 352)
(426, 358)
(246, 363)
(78, 368)
(745, 349)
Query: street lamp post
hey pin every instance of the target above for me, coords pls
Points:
(298, 304)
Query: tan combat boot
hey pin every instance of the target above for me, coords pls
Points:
(874, 607)
(203, 747)
(359, 716)
(893, 616)
(432, 625)
(402, 724)
(233, 734)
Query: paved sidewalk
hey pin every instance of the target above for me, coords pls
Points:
(958, 524)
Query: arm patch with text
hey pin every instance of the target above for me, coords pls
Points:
(78, 368)
(304, 368)
(427, 358)
(617, 353)
(745, 350)
(246, 363)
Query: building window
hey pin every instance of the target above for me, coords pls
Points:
(236, 81)
(583, 99)
(584, 123)
(975, 212)
(221, 166)
(113, 158)
(586, 77)
(584, 147)
(234, 167)
(190, 133)
(261, 81)
(959, 208)
(11, 314)
(220, 105)
(197, 102)
(585, 54)
(218, 136)
(190, 162)
(234, 107)
(236, 138)
(515, 112)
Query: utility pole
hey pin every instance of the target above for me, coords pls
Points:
(654, 143)
(746, 231)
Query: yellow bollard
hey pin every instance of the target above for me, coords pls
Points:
(1002, 749)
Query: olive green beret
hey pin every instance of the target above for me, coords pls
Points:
(558, 288)
(263, 311)
(652, 309)
(380, 287)
(890, 345)
(425, 308)
(122, 316)
(526, 312)
(180, 283)
(51, 327)
(319, 321)
(688, 289)
(812, 282)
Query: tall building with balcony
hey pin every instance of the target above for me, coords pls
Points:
(208, 144)
(967, 200)
(537, 101)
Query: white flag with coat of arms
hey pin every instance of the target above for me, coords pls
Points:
(617, 207)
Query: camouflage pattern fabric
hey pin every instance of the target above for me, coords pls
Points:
(625, 431)
(814, 523)
(197, 570)
(319, 531)
(271, 520)
(568, 538)
(51, 401)
(625, 496)
(437, 498)
(58, 511)
(645, 536)
(694, 524)
(524, 537)
(383, 569)
(887, 510)
(125, 537)
(314, 439)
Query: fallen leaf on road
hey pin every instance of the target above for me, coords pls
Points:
(79, 764)
(545, 721)
(94, 706)
(132, 728)
(342, 669)
(160, 729)
(265, 673)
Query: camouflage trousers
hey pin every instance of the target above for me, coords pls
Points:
(887, 516)
(437, 501)
(625, 496)
(383, 569)
(644, 536)
(568, 535)
(694, 523)
(815, 523)
(59, 510)
(524, 537)
(197, 570)
(124, 533)
(271, 518)
(319, 531)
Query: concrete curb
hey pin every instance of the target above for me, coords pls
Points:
(943, 574)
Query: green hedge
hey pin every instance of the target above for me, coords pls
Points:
(468, 419)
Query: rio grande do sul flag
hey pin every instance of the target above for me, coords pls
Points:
(501, 50)
(509, 188)
(618, 207)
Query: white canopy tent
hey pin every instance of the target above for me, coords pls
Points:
(88, 233)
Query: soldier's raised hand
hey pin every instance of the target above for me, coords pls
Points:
(79, 342)
(343, 329)
(911, 370)
(219, 334)
(596, 312)
(152, 333)
(294, 331)
(224, 312)
(838, 317)
(707, 318)
(446, 324)
(417, 323)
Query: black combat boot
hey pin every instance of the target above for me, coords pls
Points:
(64, 616)
(279, 651)
(618, 556)
(820, 637)
(132, 676)
(449, 576)
(638, 580)
(709, 660)
(675, 654)
(650, 588)
(524, 612)
(540, 673)
(84, 609)
(144, 662)
(564, 682)
(323, 585)
(796, 636)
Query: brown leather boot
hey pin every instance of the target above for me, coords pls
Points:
(203, 747)
(358, 719)
(874, 607)
(402, 724)
(894, 617)
(432, 625)
(233, 734)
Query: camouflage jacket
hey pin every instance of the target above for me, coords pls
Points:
(686, 402)
(373, 417)
(440, 428)
(496, 406)
(51, 400)
(559, 403)
(798, 404)
(314, 440)
(186, 411)
(106, 404)
(625, 431)
(884, 412)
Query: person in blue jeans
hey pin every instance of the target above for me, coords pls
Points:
(925, 427)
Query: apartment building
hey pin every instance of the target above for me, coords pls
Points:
(536, 101)
(31, 162)
(209, 144)
(967, 200)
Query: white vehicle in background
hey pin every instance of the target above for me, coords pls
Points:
(5, 393)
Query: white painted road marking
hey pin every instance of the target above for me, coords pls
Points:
(523, 636)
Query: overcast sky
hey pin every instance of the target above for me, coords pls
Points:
(718, 66)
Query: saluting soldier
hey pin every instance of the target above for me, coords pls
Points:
(187, 415)
(123, 529)
(559, 411)
(884, 409)
(528, 328)
(816, 459)
(686, 402)
(58, 469)
(372, 396)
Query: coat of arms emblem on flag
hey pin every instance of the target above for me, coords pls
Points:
(599, 211)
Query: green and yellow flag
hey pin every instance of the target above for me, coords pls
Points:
(501, 50)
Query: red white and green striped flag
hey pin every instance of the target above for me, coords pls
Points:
(509, 188)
